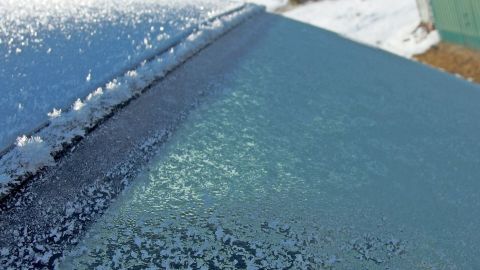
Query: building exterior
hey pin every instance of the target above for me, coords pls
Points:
(458, 21)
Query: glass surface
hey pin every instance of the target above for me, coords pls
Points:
(334, 156)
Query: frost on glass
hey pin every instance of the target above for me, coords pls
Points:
(53, 51)
(71, 124)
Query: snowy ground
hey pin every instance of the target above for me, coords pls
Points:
(388, 24)
(271, 5)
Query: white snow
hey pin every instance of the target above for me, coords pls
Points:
(271, 5)
(33, 153)
(387, 24)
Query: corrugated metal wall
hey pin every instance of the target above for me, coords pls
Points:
(458, 21)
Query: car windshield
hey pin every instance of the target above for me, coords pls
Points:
(288, 165)
(212, 134)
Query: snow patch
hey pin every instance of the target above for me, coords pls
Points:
(387, 24)
(271, 5)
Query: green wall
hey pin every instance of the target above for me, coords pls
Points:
(458, 21)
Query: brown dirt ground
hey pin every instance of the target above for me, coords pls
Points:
(455, 59)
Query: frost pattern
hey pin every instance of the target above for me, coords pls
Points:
(30, 155)
(70, 125)
(55, 51)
